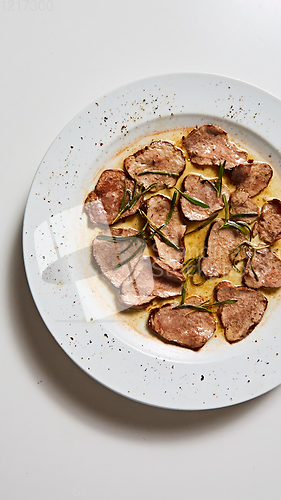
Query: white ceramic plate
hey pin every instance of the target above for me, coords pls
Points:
(76, 305)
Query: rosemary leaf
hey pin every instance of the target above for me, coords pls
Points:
(191, 306)
(234, 225)
(171, 211)
(142, 245)
(195, 201)
(252, 267)
(184, 291)
(159, 232)
(218, 182)
(206, 223)
(222, 302)
(124, 196)
(244, 214)
(226, 208)
(211, 184)
(171, 174)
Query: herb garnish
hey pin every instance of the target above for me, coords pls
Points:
(205, 223)
(244, 214)
(218, 182)
(141, 246)
(204, 307)
(241, 226)
(195, 201)
(158, 231)
(192, 267)
(250, 250)
(133, 198)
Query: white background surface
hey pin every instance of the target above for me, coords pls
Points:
(63, 435)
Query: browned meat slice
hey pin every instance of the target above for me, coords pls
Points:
(208, 146)
(252, 177)
(241, 317)
(197, 187)
(267, 267)
(186, 327)
(157, 210)
(103, 203)
(109, 254)
(163, 269)
(240, 202)
(219, 244)
(160, 156)
(148, 281)
(269, 224)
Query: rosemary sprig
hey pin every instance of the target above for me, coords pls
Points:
(169, 215)
(193, 267)
(205, 223)
(158, 231)
(218, 182)
(171, 174)
(171, 211)
(206, 305)
(241, 226)
(191, 306)
(184, 291)
(195, 201)
(142, 245)
(244, 214)
(237, 226)
(226, 208)
(250, 250)
(133, 199)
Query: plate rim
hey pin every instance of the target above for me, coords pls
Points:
(25, 224)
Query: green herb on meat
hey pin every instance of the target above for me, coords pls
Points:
(195, 201)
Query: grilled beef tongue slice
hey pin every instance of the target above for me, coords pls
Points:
(241, 317)
(252, 177)
(159, 155)
(157, 208)
(147, 282)
(186, 327)
(102, 205)
(267, 267)
(219, 244)
(269, 224)
(208, 146)
(240, 202)
(197, 187)
(108, 254)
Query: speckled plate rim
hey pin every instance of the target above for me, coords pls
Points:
(59, 186)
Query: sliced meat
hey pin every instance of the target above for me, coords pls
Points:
(241, 317)
(240, 202)
(160, 156)
(147, 282)
(267, 267)
(157, 208)
(197, 187)
(163, 269)
(102, 205)
(208, 146)
(108, 254)
(185, 327)
(252, 177)
(269, 224)
(219, 244)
